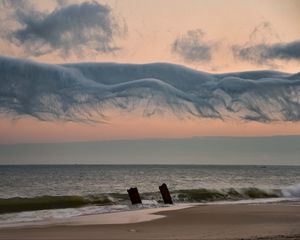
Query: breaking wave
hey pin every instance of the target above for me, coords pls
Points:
(292, 191)
(88, 91)
(207, 195)
(18, 204)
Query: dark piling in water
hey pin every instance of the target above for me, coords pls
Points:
(165, 194)
(134, 195)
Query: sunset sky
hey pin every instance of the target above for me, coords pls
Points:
(210, 36)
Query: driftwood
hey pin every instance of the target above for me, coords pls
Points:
(134, 195)
(165, 194)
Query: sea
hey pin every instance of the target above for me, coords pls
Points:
(32, 193)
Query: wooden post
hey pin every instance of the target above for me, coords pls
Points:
(165, 194)
(134, 195)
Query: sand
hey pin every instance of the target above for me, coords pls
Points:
(236, 221)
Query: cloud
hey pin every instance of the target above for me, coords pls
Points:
(90, 91)
(263, 33)
(68, 29)
(192, 47)
(263, 53)
(13, 4)
(265, 46)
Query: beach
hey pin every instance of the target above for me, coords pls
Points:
(213, 221)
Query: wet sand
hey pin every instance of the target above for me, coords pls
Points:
(237, 221)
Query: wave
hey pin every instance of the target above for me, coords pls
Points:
(205, 195)
(18, 204)
(292, 191)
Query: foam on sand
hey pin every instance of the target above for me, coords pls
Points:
(125, 217)
(236, 221)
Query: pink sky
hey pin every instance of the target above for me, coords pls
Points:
(30, 130)
(152, 26)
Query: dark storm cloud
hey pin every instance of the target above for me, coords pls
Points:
(67, 29)
(88, 91)
(264, 53)
(192, 47)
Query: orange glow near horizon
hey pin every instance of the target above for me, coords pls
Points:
(29, 130)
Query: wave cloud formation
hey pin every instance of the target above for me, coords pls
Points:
(88, 91)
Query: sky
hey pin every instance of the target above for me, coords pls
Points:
(145, 31)
(208, 36)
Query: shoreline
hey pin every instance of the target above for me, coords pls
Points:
(108, 218)
(232, 221)
(135, 215)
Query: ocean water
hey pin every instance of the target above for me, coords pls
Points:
(40, 192)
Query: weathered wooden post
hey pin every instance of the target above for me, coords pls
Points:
(165, 194)
(134, 195)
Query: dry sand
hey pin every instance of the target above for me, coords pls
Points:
(239, 221)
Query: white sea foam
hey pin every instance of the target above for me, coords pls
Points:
(292, 191)
(42, 216)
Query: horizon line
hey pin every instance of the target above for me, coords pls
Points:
(147, 139)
